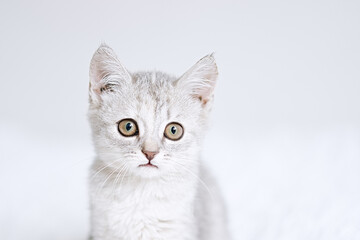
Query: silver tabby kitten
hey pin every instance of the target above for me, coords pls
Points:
(147, 181)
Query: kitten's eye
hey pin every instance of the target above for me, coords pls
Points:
(174, 131)
(128, 127)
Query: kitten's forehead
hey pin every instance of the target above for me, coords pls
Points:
(153, 89)
(155, 84)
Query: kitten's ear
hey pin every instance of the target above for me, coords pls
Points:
(200, 79)
(106, 72)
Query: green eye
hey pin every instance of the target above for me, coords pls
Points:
(174, 131)
(128, 127)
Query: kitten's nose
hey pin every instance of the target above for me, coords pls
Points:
(149, 155)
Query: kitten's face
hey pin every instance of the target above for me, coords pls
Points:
(148, 124)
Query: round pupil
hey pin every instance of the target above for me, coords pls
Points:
(128, 126)
(173, 129)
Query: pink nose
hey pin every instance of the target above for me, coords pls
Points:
(149, 155)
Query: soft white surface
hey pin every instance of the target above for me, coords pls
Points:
(285, 138)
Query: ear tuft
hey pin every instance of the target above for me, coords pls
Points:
(106, 72)
(201, 78)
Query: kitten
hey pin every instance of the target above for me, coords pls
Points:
(147, 181)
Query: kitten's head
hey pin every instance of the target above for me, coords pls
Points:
(149, 124)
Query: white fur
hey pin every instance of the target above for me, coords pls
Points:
(177, 200)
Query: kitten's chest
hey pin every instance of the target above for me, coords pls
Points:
(144, 214)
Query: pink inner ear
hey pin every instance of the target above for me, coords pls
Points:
(95, 90)
(204, 101)
(200, 79)
(205, 92)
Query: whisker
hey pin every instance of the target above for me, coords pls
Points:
(126, 171)
(107, 178)
(101, 169)
(197, 177)
(176, 178)
(123, 168)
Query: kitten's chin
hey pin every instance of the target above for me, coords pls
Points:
(147, 171)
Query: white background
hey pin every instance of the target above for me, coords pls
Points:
(285, 136)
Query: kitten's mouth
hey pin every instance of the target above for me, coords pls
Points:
(148, 165)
